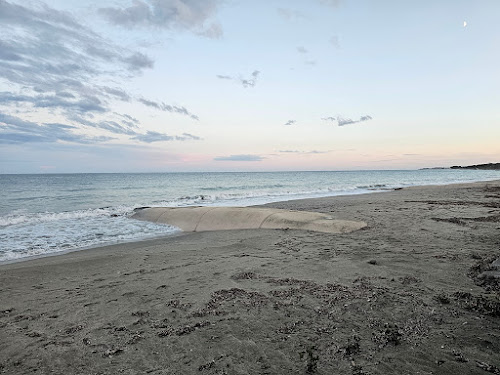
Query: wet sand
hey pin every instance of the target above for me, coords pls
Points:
(414, 292)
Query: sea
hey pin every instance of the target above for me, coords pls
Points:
(47, 214)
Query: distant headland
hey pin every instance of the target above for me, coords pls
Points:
(489, 166)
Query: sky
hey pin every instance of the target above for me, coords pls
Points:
(247, 85)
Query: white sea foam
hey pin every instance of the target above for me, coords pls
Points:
(261, 197)
(44, 217)
(50, 233)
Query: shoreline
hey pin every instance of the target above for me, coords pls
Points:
(164, 237)
(405, 295)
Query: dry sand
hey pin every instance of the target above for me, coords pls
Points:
(405, 295)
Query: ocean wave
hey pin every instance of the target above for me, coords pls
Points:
(254, 197)
(375, 187)
(242, 187)
(44, 217)
(73, 232)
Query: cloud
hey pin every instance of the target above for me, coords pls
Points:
(52, 63)
(128, 120)
(60, 61)
(14, 130)
(331, 3)
(190, 15)
(138, 61)
(152, 136)
(214, 31)
(242, 157)
(334, 41)
(345, 121)
(329, 118)
(316, 152)
(52, 44)
(187, 137)
(133, 119)
(290, 14)
(124, 127)
(342, 121)
(114, 92)
(290, 122)
(7, 54)
(84, 104)
(246, 82)
(168, 108)
(302, 50)
(251, 81)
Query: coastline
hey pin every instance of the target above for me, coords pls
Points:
(278, 204)
(401, 296)
(36, 223)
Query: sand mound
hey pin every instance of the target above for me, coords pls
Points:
(200, 219)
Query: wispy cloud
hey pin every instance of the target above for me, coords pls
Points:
(123, 126)
(152, 136)
(191, 15)
(290, 14)
(115, 92)
(303, 51)
(342, 121)
(89, 103)
(245, 82)
(334, 41)
(14, 130)
(250, 82)
(330, 118)
(331, 3)
(168, 108)
(242, 157)
(138, 61)
(129, 120)
(214, 31)
(51, 62)
(290, 122)
(57, 52)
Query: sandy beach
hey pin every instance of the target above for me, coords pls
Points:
(415, 292)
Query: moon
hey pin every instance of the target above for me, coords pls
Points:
(465, 23)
